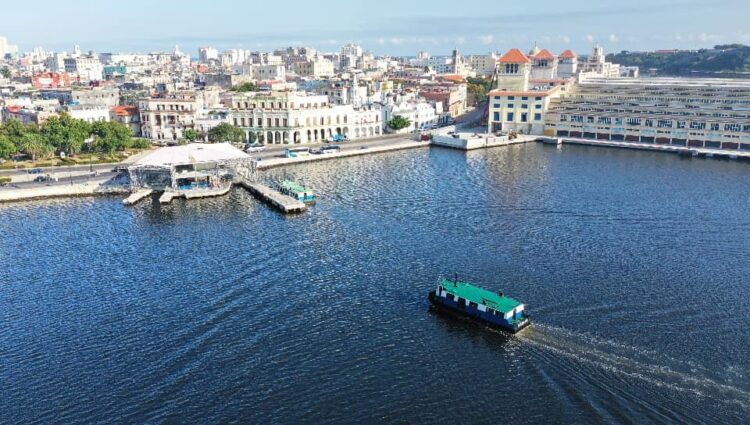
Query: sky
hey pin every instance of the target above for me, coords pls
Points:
(395, 27)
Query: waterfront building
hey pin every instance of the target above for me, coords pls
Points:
(295, 117)
(184, 169)
(518, 102)
(694, 112)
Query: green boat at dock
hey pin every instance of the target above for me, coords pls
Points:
(297, 191)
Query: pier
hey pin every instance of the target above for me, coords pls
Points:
(283, 203)
(137, 196)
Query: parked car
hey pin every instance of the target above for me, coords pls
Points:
(255, 147)
(44, 178)
(35, 171)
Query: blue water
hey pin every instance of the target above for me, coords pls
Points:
(634, 264)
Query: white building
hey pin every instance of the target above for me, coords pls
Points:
(87, 68)
(298, 118)
(483, 65)
(168, 116)
(206, 54)
(315, 68)
(693, 112)
(597, 64)
(421, 114)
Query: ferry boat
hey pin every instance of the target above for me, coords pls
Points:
(297, 191)
(494, 309)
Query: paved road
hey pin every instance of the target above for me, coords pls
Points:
(279, 151)
(61, 181)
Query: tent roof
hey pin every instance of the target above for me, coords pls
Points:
(190, 154)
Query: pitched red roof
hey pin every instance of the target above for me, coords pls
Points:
(568, 54)
(124, 111)
(544, 54)
(514, 56)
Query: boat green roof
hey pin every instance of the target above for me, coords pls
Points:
(295, 187)
(480, 296)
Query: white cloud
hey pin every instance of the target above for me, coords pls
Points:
(613, 38)
(565, 39)
(397, 41)
(460, 40)
(487, 39)
(709, 37)
(590, 38)
(380, 41)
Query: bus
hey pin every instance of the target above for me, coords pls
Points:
(297, 152)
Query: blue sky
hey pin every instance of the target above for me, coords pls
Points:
(399, 27)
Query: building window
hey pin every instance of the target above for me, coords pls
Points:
(590, 120)
(537, 117)
(510, 116)
(524, 117)
(524, 106)
(664, 123)
(538, 98)
(537, 106)
(525, 98)
(496, 116)
(511, 106)
(649, 123)
(511, 98)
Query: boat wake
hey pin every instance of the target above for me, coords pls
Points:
(595, 357)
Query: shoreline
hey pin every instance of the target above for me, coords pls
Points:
(101, 188)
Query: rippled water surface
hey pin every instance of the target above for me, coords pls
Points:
(635, 264)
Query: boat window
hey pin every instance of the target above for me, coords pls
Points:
(491, 311)
(451, 297)
(473, 304)
(461, 301)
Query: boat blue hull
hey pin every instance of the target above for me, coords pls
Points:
(445, 305)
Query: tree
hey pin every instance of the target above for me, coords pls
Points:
(245, 87)
(111, 136)
(191, 135)
(225, 132)
(13, 129)
(32, 144)
(7, 147)
(5, 72)
(398, 122)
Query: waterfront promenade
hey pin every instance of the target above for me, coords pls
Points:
(109, 179)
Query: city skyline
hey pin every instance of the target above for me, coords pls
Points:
(385, 27)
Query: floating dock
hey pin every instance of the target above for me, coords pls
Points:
(136, 196)
(167, 197)
(284, 203)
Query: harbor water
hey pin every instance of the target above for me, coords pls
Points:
(634, 264)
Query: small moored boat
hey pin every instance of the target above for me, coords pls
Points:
(297, 191)
(494, 309)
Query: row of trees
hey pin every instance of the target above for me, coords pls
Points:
(223, 132)
(65, 134)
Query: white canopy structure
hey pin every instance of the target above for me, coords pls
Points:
(191, 154)
(188, 167)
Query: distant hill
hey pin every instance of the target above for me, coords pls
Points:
(729, 60)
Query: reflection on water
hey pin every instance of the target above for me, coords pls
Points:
(222, 309)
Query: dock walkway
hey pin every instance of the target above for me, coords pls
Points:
(284, 203)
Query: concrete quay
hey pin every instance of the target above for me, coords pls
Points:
(681, 150)
(62, 190)
(471, 141)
